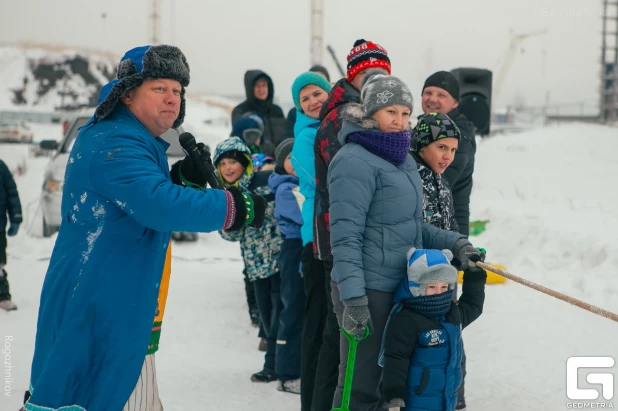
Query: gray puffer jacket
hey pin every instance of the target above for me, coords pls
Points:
(376, 214)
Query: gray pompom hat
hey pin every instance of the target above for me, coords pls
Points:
(379, 90)
(145, 63)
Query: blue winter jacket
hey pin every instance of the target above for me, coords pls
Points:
(99, 295)
(376, 216)
(287, 210)
(303, 160)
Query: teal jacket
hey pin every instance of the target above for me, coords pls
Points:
(303, 160)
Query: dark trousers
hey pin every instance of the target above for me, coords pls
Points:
(268, 297)
(366, 392)
(461, 391)
(4, 281)
(313, 324)
(252, 304)
(328, 362)
(289, 337)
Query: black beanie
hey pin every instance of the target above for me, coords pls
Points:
(283, 150)
(444, 80)
(320, 69)
(234, 155)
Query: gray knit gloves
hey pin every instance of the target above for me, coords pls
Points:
(356, 316)
(465, 252)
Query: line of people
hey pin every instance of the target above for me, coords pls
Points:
(350, 194)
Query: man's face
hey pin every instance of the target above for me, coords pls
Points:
(356, 81)
(156, 104)
(437, 100)
(260, 89)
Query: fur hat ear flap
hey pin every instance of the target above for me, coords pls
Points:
(126, 68)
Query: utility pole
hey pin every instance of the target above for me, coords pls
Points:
(609, 63)
(155, 18)
(317, 32)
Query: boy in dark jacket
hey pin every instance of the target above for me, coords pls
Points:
(422, 344)
(11, 207)
(284, 183)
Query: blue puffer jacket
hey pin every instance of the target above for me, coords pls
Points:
(303, 160)
(99, 296)
(376, 215)
(287, 210)
(9, 199)
(260, 247)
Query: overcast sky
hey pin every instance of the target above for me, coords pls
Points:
(222, 39)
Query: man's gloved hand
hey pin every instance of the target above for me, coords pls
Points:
(394, 403)
(356, 316)
(250, 209)
(13, 229)
(186, 173)
(465, 252)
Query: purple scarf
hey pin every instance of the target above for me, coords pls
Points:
(392, 147)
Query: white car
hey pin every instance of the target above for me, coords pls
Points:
(51, 194)
(15, 132)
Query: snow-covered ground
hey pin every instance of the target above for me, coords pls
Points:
(552, 200)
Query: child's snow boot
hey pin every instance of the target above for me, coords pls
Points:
(265, 375)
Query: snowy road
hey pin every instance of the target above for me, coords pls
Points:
(554, 220)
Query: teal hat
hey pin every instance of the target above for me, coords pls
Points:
(305, 80)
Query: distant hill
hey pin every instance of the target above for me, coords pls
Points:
(52, 78)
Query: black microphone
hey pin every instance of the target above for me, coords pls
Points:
(188, 144)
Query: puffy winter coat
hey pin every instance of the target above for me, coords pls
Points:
(459, 174)
(9, 199)
(325, 147)
(287, 209)
(260, 247)
(303, 160)
(438, 201)
(376, 216)
(274, 120)
(99, 295)
(422, 356)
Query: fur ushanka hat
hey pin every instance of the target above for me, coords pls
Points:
(146, 63)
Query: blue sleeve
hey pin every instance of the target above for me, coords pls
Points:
(303, 159)
(286, 204)
(351, 185)
(125, 169)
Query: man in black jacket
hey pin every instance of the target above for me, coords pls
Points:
(440, 95)
(9, 206)
(260, 92)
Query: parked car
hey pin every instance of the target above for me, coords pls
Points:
(53, 181)
(15, 132)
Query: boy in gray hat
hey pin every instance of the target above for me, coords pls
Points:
(423, 336)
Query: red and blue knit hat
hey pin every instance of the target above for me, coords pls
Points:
(366, 54)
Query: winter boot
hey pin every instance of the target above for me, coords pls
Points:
(461, 405)
(5, 295)
(8, 305)
(265, 375)
(263, 345)
(291, 386)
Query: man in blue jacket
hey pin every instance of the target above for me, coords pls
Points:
(119, 207)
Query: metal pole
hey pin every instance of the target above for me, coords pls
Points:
(154, 23)
(332, 53)
(317, 32)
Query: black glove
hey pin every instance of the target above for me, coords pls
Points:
(186, 173)
(250, 209)
(465, 252)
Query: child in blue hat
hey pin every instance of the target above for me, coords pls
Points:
(422, 342)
